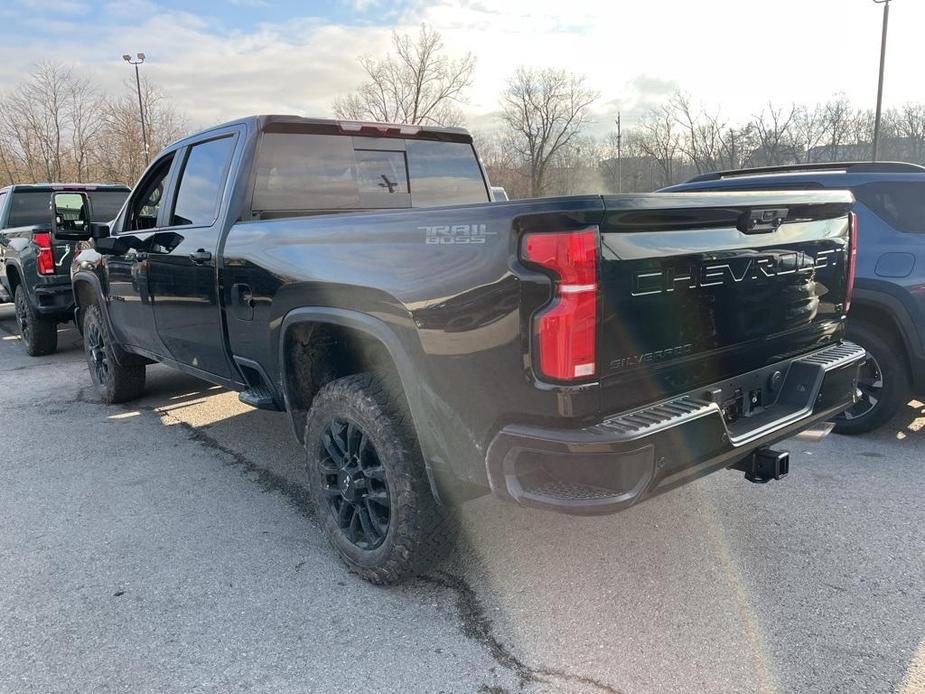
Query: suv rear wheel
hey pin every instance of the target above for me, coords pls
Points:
(368, 481)
(883, 382)
(115, 382)
(39, 335)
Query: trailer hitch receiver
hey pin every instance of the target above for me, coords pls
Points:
(764, 465)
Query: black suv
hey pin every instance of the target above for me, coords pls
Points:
(888, 309)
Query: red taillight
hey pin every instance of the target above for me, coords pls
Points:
(852, 257)
(44, 261)
(566, 331)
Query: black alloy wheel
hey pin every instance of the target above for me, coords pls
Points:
(870, 389)
(96, 352)
(24, 320)
(354, 484)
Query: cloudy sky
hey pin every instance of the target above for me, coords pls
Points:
(219, 60)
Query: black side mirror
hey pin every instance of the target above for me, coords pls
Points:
(70, 218)
(99, 230)
(112, 245)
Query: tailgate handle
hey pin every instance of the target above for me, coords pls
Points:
(762, 220)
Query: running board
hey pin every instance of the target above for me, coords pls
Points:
(259, 397)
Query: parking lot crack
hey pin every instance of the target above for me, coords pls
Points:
(477, 626)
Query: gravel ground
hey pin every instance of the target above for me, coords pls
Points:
(168, 546)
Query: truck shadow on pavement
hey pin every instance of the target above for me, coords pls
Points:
(635, 590)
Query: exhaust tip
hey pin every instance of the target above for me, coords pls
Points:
(816, 433)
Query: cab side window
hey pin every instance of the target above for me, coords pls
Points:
(146, 204)
(201, 182)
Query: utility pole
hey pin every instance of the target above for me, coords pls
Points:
(619, 156)
(886, 19)
(138, 60)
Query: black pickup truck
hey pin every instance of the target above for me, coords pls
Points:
(577, 354)
(34, 267)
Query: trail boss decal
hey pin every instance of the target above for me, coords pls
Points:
(729, 271)
(457, 234)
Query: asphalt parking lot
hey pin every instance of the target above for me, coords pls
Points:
(168, 546)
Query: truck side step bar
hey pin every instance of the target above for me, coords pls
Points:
(259, 397)
(258, 393)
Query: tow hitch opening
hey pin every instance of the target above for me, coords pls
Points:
(764, 465)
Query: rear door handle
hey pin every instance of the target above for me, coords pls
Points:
(200, 256)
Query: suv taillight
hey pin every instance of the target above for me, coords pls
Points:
(44, 261)
(852, 256)
(566, 330)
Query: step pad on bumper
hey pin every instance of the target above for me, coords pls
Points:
(630, 456)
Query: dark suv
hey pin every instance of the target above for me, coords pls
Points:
(887, 314)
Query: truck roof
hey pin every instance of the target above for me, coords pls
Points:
(847, 167)
(42, 187)
(288, 123)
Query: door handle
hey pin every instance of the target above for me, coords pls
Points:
(200, 256)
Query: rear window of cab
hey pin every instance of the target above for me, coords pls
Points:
(307, 171)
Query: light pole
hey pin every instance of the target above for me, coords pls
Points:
(886, 19)
(138, 60)
(619, 155)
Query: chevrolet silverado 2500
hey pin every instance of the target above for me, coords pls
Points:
(579, 354)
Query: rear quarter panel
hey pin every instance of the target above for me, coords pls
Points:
(443, 282)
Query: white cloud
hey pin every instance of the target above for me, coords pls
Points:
(732, 54)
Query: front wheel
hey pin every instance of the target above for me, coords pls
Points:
(369, 484)
(39, 335)
(116, 383)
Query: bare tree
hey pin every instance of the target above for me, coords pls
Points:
(737, 146)
(544, 111)
(34, 118)
(837, 114)
(417, 84)
(659, 139)
(773, 127)
(702, 140)
(501, 162)
(84, 112)
(121, 155)
(908, 126)
(809, 132)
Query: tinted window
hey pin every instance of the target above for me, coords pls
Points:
(201, 182)
(29, 207)
(381, 171)
(105, 204)
(444, 173)
(900, 204)
(305, 172)
(302, 171)
(146, 204)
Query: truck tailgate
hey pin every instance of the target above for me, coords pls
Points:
(699, 287)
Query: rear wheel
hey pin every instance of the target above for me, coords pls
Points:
(39, 335)
(883, 382)
(369, 484)
(115, 382)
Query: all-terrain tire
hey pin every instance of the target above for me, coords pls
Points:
(890, 361)
(39, 334)
(116, 383)
(420, 532)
